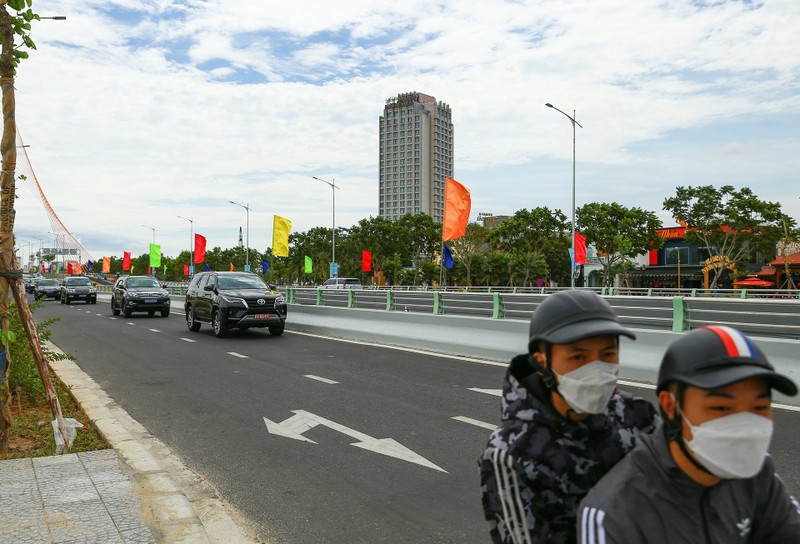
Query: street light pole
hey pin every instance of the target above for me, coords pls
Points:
(191, 239)
(333, 187)
(247, 249)
(154, 232)
(574, 122)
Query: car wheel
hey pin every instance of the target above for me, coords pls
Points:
(191, 322)
(125, 310)
(65, 299)
(219, 325)
(165, 313)
(114, 309)
(62, 300)
(277, 330)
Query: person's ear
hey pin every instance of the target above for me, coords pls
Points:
(667, 402)
(539, 357)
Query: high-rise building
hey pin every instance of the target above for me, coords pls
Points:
(416, 155)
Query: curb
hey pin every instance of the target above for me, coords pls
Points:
(171, 503)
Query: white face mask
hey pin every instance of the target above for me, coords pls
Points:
(731, 446)
(589, 388)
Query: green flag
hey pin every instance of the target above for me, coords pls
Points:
(308, 268)
(155, 256)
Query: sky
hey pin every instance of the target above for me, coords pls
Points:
(136, 113)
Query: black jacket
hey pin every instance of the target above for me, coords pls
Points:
(537, 465)
(647, 499)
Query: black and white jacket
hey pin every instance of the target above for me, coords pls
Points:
(538, 466)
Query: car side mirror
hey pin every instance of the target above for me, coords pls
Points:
(208, 288)
(163, 285)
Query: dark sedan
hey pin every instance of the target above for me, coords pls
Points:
(139, 294)
(47, 288)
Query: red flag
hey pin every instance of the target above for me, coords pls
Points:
(186, 270)
(231, 267)
(580, 248)
(126, 260)
(69, 268)
(199, 248)
(148, 270)
(366, 260)
(42, 268)
(457, 204)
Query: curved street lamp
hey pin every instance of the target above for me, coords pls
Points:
(333, 187)
(247, 250)
(191, 240)
(574, 122)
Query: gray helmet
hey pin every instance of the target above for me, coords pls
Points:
(569, 316)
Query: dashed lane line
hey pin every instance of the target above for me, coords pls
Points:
(154, 330)
(239, 355)
(188, 339)
(131, 323)
(476, 422)
(320, 379)
(495, 392)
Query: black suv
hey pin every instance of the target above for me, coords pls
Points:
(78, 288)
(139, 294)
(229, 300)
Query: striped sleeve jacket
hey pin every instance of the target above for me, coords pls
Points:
(538, 466)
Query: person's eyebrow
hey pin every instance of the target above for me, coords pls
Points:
(612, 345)
(765, 395)
(720, 394)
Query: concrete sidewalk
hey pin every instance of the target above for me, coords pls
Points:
(139, 491)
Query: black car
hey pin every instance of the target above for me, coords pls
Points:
(139, 294)
(47, 288)
(78, 288)
(229, 300)
(31, 285)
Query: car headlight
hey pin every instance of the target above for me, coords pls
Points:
(233, 300)
(133, 295)
(280, 300)
(70, 289)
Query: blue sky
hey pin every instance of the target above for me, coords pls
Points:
(137, 112)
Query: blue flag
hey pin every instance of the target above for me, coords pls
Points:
(207, 267)
(264, 266)
(89, 265)
(448, 257)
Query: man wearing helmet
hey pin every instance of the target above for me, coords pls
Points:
(564, 424)
(705, 476)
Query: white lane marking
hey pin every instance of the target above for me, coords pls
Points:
(302, 421)
(188, 340)
(114, 318)
(154, 330)
(475, 422)
(239, 355)
(99, 315)
(399, 348)
(89, 311)
(320, 379)
(131, 323)
(495, 392)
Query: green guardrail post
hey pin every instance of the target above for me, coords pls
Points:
(694, 293)
(498, 308)
(603, 291)
(389, 300)
(515, 291)
(351, 299)
(541, 291)
(743, 293)
(650, 292)
(438, 306)
(680, 314)
(320, 298)
(611, 291)
(291, 295)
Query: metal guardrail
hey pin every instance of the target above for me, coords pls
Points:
(761, 317)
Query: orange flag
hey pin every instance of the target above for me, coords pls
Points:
(106, 265)
(457, 204)
(231, 267)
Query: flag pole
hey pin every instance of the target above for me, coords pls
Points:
(441, 263)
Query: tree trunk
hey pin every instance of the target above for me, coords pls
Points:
(10, 273)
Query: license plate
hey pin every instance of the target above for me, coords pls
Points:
(261, 316)
(81, 296)
(150, 301)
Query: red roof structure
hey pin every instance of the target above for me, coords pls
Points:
(793, 259)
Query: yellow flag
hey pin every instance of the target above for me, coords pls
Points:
(280, 236)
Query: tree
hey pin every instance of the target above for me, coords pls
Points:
(10, 274)
(469, 246)
(419, 236)
(529, 237)
(618, 232)
(732, 224)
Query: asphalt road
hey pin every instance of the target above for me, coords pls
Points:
(207, 398)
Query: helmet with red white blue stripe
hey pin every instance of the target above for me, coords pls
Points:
(715, 357)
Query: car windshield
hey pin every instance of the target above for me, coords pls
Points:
(47, 283)
(244, 281)
(143, 282)
(75, 282)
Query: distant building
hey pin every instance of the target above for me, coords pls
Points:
(415, 155)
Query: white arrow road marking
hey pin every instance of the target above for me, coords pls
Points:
(475, 422)
(495, 392)
(239, 355)
(154, 330)
(302, 421)
(320, 379)
(188, 340)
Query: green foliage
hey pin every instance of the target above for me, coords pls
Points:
(24, 372)
(21, 26)
(733, 224)
(619, 233)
